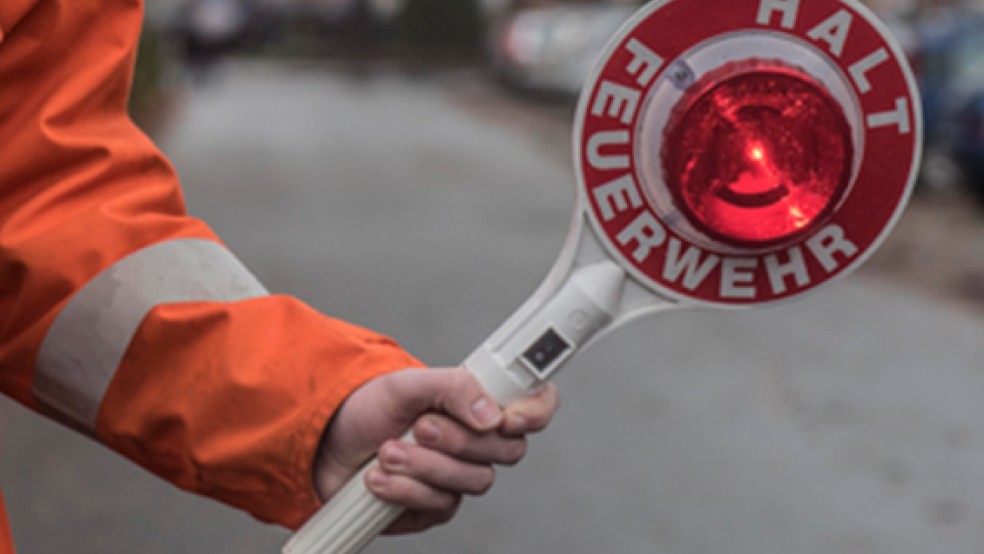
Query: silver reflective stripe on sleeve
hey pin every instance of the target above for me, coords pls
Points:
(86, 343)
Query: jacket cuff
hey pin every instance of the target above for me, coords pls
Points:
(230, 400)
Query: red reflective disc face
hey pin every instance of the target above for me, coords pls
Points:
(758, 157)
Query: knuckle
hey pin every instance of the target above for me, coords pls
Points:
(543, 410)
(448, 502)
(399, 493)
(444, 516)
(429, 430)
(393, 456)
(551, 396)
(484, 481)
(461, 380)
(460, 386)
(455, 443)
(515, 452)
(537, 422)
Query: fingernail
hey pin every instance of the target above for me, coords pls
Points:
(395, 455)
(377, 480)
(427, 432)
(485, 412)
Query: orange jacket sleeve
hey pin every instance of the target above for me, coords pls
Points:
(128, 320)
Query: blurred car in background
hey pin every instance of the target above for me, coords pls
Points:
(969, 142)
(359, 20)
(949, 62)
(206, 30)
(553, 48)
(215, 25)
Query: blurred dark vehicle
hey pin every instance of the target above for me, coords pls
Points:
(552, 49)
(361, 30)
(441, 28)
(969, 143)
(209, 29)
(949, 61)
(354, 20)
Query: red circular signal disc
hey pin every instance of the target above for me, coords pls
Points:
(757, 154)
(770, 185)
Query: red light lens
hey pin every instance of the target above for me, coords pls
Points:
(757, 157)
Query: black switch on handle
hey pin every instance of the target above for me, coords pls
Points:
(546, 350)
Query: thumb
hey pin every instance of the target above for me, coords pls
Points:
(454, 391)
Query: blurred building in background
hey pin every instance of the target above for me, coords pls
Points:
(549, 46)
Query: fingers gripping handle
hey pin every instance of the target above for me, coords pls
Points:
(535, 345)
(354, 516)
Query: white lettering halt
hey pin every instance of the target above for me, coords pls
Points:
(859, 70)
(834, 31)
(788, 9)
(898, 117)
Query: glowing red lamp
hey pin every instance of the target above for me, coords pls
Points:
(757, 154)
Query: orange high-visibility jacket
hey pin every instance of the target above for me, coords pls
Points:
(125, 318)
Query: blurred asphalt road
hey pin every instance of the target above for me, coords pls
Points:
(850, 422)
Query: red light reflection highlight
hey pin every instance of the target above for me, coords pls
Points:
(758, 155)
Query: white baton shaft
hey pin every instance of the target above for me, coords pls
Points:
(534, 346)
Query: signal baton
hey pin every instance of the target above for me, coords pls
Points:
(723, 160)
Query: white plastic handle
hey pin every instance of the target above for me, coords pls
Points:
(520, 357)
(348, 523)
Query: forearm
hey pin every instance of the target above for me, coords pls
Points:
(127, 319)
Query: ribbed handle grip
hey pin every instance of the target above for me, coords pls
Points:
(348, 523)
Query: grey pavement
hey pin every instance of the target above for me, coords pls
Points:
(851, 421)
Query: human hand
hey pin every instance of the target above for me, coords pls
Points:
(460, 432)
